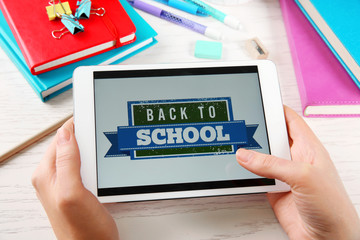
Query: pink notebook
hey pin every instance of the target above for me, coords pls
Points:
(326, 90)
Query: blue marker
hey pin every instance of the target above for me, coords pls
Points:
(222, 17)
(184, 6)
(168, 16)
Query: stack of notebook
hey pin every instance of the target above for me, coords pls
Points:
(323, 41)
(48, 63)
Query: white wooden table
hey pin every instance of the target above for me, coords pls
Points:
(234, 217)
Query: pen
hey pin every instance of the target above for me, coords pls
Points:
(185, 6)
(222, 17)
(209, 32)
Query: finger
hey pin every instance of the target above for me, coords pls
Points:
(45, 172)
(67, 156)
(46, 169)
(305, 147)
(285, 210)
(269, 166)
(277, 199)
(298, 129)
(48, 161)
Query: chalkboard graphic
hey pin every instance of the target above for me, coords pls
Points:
(180, 128)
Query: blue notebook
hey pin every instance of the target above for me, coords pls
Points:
(50, 84)
(337, 22)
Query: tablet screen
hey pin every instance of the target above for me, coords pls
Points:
(177, 129)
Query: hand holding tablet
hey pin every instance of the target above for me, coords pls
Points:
(318, 204)
(146, 132)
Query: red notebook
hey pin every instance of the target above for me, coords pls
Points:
(32, 29)
(326, 89)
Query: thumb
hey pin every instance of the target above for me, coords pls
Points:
(269, 166)
(67, 155)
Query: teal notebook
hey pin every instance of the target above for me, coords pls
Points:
(50, 84)
(337, 22)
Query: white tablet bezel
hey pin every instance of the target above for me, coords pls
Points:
(84, 117)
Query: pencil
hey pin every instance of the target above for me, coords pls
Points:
(29, 141)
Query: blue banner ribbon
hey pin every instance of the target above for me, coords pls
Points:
(181, 135)
(132, 138)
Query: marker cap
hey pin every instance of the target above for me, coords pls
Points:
(213, 33)
(233, 22)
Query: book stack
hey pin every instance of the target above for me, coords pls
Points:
(323, 42)
(48, 63)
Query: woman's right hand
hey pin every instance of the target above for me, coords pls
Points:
(317, 207)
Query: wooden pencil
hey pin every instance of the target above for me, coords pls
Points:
(29, 141)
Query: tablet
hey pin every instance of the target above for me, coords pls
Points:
(165, 131)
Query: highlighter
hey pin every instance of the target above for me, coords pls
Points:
(222, 17)
(185, 6)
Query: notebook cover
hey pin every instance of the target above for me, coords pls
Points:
(42, 82)
(32, 29)
(340, 17)
(321, 78)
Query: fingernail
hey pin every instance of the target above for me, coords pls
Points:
(63, 136)
(244, 155)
